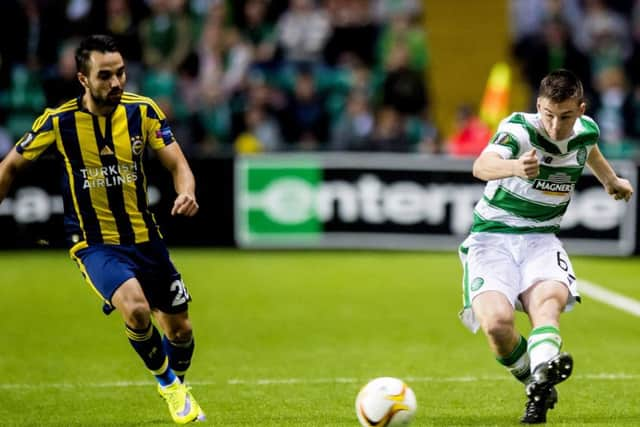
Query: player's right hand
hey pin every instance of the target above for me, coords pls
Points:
(620, 189)
(528, 165)
(185, 204)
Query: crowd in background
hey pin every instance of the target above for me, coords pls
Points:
(237, 76)
(243, 76)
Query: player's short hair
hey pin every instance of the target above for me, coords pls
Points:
(561, 85)
(94, 43)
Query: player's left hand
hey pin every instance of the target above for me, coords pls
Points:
(620, 189)
(185, 204)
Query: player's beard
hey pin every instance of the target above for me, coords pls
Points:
(110, 100)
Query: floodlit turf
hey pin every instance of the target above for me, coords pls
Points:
(288, 338)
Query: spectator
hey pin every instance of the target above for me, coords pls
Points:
(261, 134)
(78, 18)
(28, 39)
(302, 32)
(355, 127)
(403, 29)
(60, 82)
(187, 105)
(258, 32)
(224, 61)
(605, 36)
(470, 136)
(165, 36)
(354, 33)
(527, 17)
(615, 108)
(403, 87)
(385, 10)
(121, 19)
(601, 29)
(388, 135)
(548, 50)
(305, 121)
(631, 112)
(423, 134)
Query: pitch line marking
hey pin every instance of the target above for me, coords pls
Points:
(608, 297)
(294, 381)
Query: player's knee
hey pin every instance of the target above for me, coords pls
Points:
(180, 331)
(137, 314)
(499, 325)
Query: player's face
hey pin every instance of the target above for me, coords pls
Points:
(558, 118)
(106, 78)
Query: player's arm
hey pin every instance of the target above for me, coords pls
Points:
(9, 168)
(491, 165)
(619, 188)
(175, 162)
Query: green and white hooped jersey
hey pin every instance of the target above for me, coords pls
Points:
(519, 205)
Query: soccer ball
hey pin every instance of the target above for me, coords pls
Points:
(385, 401)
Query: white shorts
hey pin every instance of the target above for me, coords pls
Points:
(510, 264)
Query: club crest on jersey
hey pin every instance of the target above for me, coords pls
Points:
(556, 184)
(136, 145)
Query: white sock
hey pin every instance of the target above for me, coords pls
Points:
(544, 343)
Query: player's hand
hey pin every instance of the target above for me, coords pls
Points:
(185, 204)
(620, 189)
(528, 165)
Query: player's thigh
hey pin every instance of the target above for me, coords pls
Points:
(105, 268)
(493, 310)
(547, 261)
(490, 267)
(547, 296)
(161, 282)
(130, 297)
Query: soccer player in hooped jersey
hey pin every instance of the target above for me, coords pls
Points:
(512, 258)
(101, 138)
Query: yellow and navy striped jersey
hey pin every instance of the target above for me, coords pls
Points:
(105, 187)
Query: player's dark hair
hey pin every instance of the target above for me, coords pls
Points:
(94, 43)
(561, 85)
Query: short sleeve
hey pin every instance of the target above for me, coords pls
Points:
(504, 144)
(38, 139)
(159, 133)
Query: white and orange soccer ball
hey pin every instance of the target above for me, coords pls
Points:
(386, 401)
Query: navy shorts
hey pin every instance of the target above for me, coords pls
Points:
(106, 267)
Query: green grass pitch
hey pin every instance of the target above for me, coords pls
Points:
(288, 338)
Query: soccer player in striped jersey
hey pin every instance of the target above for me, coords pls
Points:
(512, 258)
(101, 138)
